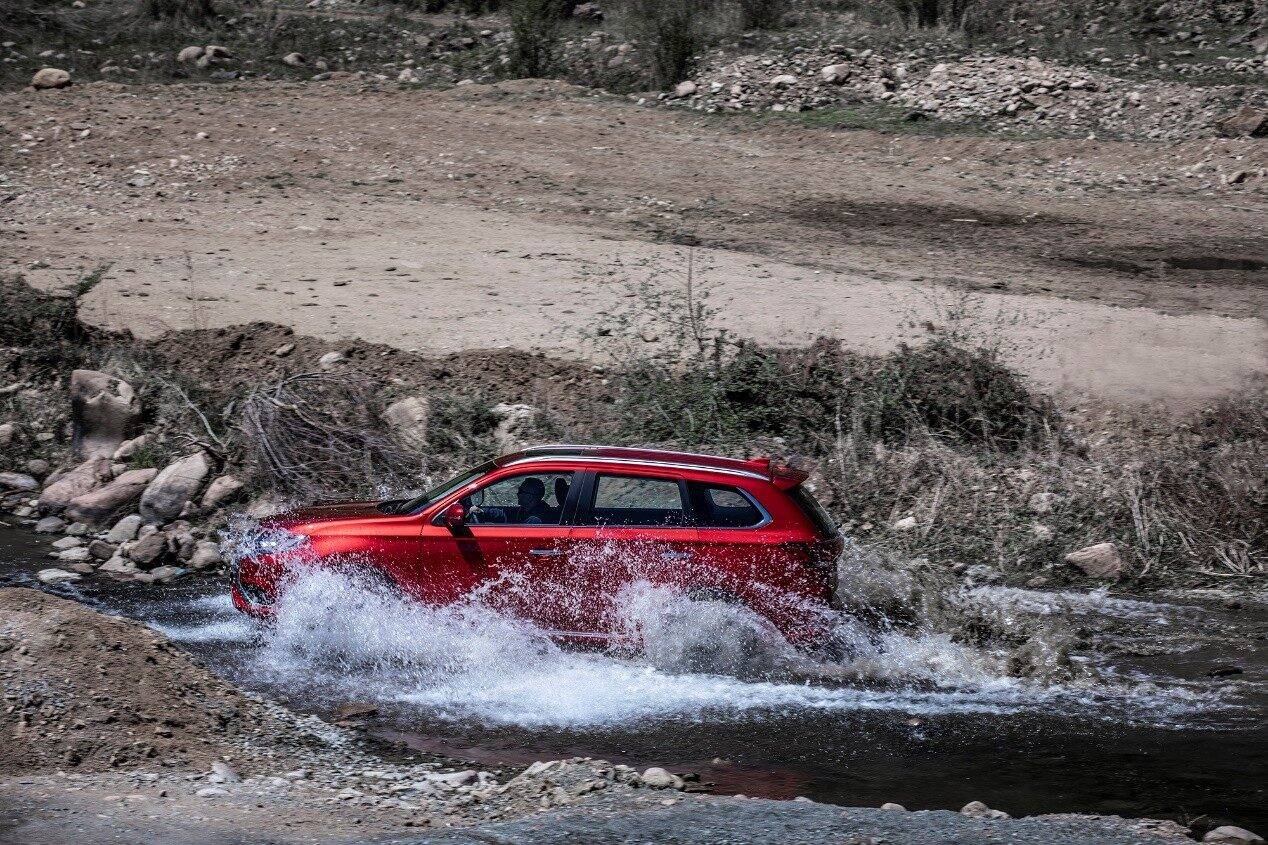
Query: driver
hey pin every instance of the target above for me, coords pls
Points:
(532, 500)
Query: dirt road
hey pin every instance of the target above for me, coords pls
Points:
(510, 215)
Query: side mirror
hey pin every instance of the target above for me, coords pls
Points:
(455, 516)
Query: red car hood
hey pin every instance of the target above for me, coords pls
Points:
(322, 513)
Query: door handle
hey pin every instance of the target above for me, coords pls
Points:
(546, 552)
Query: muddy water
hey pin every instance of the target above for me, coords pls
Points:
(923, 721)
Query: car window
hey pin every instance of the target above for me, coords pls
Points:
(635, 500)
(532, 499)
(814, 511)
(715, 506)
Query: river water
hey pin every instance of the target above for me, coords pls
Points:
(1155, 727)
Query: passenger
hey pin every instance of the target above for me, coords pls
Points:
(532, 498)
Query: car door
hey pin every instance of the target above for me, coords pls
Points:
(515, 536)
(633, 529)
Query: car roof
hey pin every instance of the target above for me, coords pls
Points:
(752, 468)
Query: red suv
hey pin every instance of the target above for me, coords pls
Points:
(555, 533)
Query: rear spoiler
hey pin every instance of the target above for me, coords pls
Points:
(782, 474)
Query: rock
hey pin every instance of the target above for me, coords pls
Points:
(905, 524)
(454, 779)
(684, 89)
(119, 565)
(284, 350)
(84, 478)
(294, 60)
(1233, 836)
(784, 80)
(103, 410)
(161, 574)
(54, 576)
(67, 543)
(1098, 561)
(658, 778)
(516, 423)
(76, 529)
(409, 417)
(206, 556)
(125, 529)
(210, 792)
(148, 550)
(587, 12)
(172, 488)
(978, 810)
(330, 359)
(835, 74)
(101, 550)
(222, 772)
(221, 490)
(890, 805)
(1042, 502)
(18, 481)
(8, 434)
(79, 554)
(1040, 531)
(50, 77)
(128, 449)
(106, 503)
(50, 525)
(1249, 122)
(215, 51)
(189, 54)
(37, 467)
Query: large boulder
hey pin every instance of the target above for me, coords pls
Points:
(50, 77)
(408, 417)
(84, 478)
(1233, 835)
(104, 409)
(1098, 561)
(119, 496)
(172, 488)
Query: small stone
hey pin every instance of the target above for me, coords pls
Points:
(1097, 561)
(210, 791)
(50, 525)
(37, 467)
(50, 77)
(190, 54)
(294, 60)
(905, 524)
(284, 350)
(1233, 835)
(978, 810)
(55, 576)
(684, 89)
(330, 359)
(658, 778)
(125, 529)
(18, 481)
(784, 80)
(67, 543)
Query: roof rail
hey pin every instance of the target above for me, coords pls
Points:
(759, 466)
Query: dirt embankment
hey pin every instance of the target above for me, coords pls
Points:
(510, 215)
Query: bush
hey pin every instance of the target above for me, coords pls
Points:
(535, 31)
(673, 33)
(184, 11)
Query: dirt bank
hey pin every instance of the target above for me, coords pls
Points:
(507, 216)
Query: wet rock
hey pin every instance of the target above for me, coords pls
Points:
(1097, 561)
(101, 550)
(172, 488)
(206, 556)
(50, 77)
(121, 495)
(148, 550)
(103, 411)
(56, 576)
(84, 478)
(50, 525)
(161, 575)
(978, 810)
(222, 489)
(79, 554)
(119, 565)
(18, 481)
(658, 778)
(1232, 835)
(408, 417)
(67, 543)
(125, 529)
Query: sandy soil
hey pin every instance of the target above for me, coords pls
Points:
(510, 215)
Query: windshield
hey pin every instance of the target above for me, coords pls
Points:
(442, 490)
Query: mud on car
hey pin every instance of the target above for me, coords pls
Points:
(554, 534)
